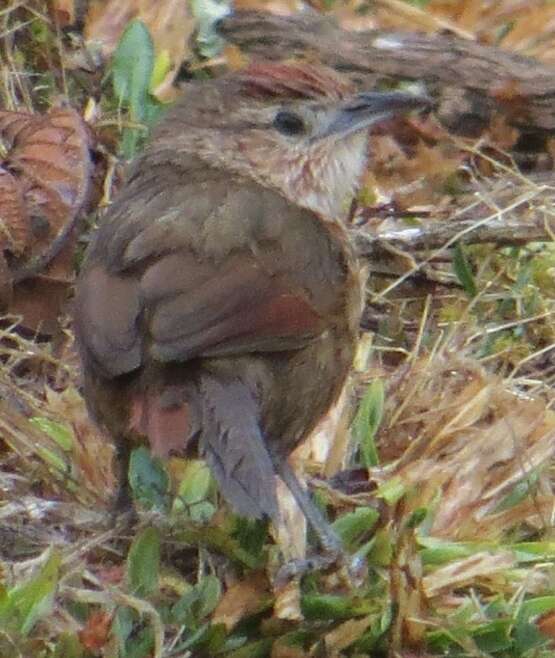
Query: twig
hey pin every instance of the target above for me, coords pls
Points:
(511, 211)
(470, 81)
(442, 235)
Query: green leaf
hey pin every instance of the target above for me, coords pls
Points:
(534, 551)
(195, 482)
(251, 534)
(439, 551)
(518, 493)
(537, 606)
(353, 526)
(68, 646)
(153, 112)
(197, 637)
(210, 592)
(202, 512)
(528, 639)
(140, 644)
(25, 604)
(463, 271)
(218, 539)
(122, 627)
(382, 549)
(367, 421)
(207, 13)
(132, 68)
(160, 70)
(198, 602)
(392, 490)
(148, 480)
(60, 433)
(134, 639)
(209, 640)
(332, 607)
(494, 636)
(129, 143)
(256, 649)
(417, 517)
(53, 459)
(182, 612)
(143, 563)
(527, 634)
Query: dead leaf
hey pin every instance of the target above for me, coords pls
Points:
(105, 22)
(111, 575)
(410, 174)
(39, 302)
(531, 33)
(14, 220)
(279, 7)
(501, 134)
(63, 12)
(287, 604)
(170, 23)
(96, 631)
(235, 59)
(546, 624)
(245, 598)
(45, 183)
(6, 288)
(480, 566)
(290, 532)
(92, 452)
(345, 634)
(282, 650)
(457, 431)
(50, 156)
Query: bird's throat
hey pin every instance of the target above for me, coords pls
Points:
(325, 177)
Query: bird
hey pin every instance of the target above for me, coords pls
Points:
(217, 310)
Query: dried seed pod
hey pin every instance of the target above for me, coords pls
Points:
(45, 183)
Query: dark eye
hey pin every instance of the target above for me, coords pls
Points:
(288, 123)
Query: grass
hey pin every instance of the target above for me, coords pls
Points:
(444, 484)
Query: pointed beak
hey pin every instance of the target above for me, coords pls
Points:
(366, 109)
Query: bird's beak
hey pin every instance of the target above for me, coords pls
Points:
(366, 109)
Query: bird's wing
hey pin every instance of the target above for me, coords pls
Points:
(172, 294)
(233, 308)
(181, 308)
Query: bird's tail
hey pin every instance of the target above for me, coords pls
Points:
(224, 417)
(233, 445)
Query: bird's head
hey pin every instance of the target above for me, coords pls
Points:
(297, 128)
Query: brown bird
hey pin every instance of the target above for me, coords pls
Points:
(218, 308)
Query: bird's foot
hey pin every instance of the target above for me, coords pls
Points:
(122, 509)
(124, 519)
(295, 569)
(352, 568)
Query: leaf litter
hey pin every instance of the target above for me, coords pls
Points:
(449, 493)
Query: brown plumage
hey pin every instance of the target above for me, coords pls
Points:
(219, 303)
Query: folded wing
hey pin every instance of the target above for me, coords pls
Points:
(179, 308)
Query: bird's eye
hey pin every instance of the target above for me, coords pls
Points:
(289, 124)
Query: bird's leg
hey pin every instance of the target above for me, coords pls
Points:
(329, 540)
(123, 501)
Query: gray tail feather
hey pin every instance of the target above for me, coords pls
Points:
(234, 448)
